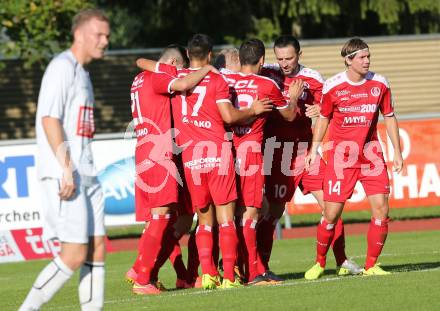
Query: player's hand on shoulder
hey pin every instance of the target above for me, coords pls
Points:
(67, 187)
(296, 88)
(313, 111)
(260, 106)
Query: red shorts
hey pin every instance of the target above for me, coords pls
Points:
(155, 187)
(339, 183)
(250, 179)
(281, 184)
(210, 177)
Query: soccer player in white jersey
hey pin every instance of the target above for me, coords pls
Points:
(351, 101)
(73, 208)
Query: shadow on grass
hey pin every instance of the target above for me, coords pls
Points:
(391, 268)
(300, 275)
(412, 266)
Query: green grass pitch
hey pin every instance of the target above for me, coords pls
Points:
(413, 257)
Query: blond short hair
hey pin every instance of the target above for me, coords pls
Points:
(86, 15)
(227, 57)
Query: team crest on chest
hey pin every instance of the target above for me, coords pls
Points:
(375, 91)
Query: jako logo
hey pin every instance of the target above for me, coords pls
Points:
(117, 182)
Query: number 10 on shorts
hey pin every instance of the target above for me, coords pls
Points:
(336, 188)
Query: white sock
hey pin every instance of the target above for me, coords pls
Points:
(48, 282)
(91, 286)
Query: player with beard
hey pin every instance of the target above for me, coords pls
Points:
(295, 138)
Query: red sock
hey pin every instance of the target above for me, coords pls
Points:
(377, 234)
(177, 261)
(265, 232)
(152, 246)
(138, 261)
(338, 243)
(204, 242)
(325, 234)
(169, 241)
(249, 248)
(193, 259)
(240, 248)
(228, 246)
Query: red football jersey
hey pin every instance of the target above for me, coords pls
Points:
(195, 112)
(300, 128)
(151, 111)
(244, 88)
(353, 110)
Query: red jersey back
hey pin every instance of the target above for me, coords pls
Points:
(300, 128)
(353, 109)
(244, 89)
(195, 112)
(151, 111)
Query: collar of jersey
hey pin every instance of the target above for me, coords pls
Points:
(351, 82)
(245, 74)
(190, 68)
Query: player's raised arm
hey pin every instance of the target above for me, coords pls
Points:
(231, 115)
(180, 84)
(146, 64)
(192, 79)
(289, 112)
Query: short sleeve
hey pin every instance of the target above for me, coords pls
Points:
(222, 90)
(316, 90)
(170, 69)
(386, 104)
(163, 77)
(326, 105)
(54, 90)
(278, 100)
(161, 82)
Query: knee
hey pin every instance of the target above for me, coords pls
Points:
(380, 211)
(331, 217)
(251, 213)
(96, 251)
(74, 258)
(205, 219)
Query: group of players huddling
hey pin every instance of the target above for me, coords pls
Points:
(221, 142)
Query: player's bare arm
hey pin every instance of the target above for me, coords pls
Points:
(231, 115)
(192, 79)
(318, 134)
(55, 136)
(181, 84)
(146, 64)
(393, 133)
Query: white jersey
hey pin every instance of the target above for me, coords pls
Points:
(66, 93)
